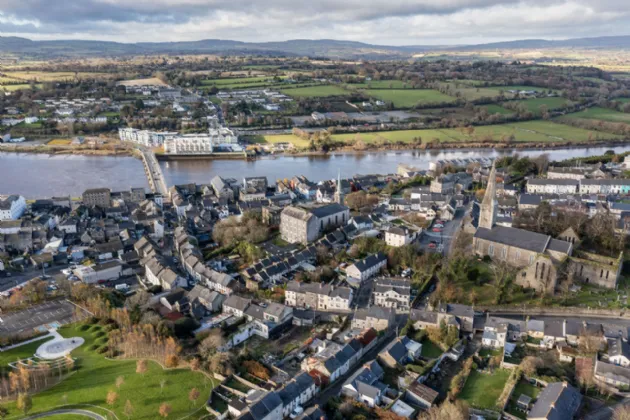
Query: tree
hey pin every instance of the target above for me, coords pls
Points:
(172, 361)
(212, 342)
(193, 395)
(622, 412)
(112, 397)
(256, 369)
(141, 367)
(447, 411)
(165, 409)
(195, 364)
(4, 412)
(24, 402)
(119, 381)
(128, 411)
(530, 365)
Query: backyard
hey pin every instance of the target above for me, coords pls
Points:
(521, 388)
(97, 375)
(482, 390)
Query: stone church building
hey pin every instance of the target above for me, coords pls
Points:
(542, 260)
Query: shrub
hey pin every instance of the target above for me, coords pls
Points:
(93, 347)
(99, 333)
(84, 327)
(95, 327)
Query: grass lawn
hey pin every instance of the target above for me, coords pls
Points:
(521, 388)
(21, 352)
(97, 375)
(406, 98)
(430, 350)
(483, 390)
(278, 241)
(315, 91)
(602, 114)
(622, 100)
(46, 76)
(485, 352)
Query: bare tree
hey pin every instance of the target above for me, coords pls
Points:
(119, 382)
(622, 412)
(112, 397)
(193, 396)
(128, 411)
(165, 409)
(141, 367)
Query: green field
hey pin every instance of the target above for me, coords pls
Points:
(523, 132)
(21, 352)
(622, 100)
(315, 91)
(382, 84)
(522, 87)
(97, 375)
(430, 350)
(407, 98)
(602, 114)
(470, 93)
(483, 390)
(236, 80)
(12, 88)
(533, 105)
(497, 109)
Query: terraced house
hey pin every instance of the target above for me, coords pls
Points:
(322, 297)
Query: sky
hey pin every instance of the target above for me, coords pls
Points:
(385, 22)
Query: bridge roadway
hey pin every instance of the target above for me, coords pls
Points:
(153, 172)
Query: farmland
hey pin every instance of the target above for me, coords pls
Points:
(42, 76)
(533, 105)
(524, 132)
(407, 98)
(12, 88)
(469, 93)
(382, 84)
(602, 114)
(315, 91)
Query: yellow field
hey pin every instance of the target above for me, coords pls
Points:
(154, 81)
(43, 76)
(59, 142)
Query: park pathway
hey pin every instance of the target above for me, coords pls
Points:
(77, 412)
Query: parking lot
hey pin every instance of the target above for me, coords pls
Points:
(51, 313)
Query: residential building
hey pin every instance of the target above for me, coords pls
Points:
(399, 352)
(618, 352)
(375, 317)
(615, 375)
(393, 293)
(553, 186)
(398, 236)
(366, 385)
(367, 267)
(558, 400)
(321, 297)
(421, 395)
(605, 186)
(236, 305)
(297, 393)
(12, 207)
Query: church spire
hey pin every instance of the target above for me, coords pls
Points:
(338, 193)
(487, 215)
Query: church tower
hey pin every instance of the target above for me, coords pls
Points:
(488, 212)
(338, 192)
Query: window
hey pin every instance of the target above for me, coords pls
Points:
(517, 255)
(491, 250)
(601, 274)
(531, 259)
(504, 252)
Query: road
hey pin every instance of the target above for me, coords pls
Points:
(578, 318)
(76, 412)
(445, 238)
(7, 283)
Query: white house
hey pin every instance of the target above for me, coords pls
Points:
(367, 267)
(618, 352)
(399, 236)
(553, 186)
(12, 207)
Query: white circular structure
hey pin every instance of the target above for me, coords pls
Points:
(59, 347)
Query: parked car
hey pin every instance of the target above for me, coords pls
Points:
(435, 229)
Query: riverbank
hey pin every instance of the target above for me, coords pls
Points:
(459, 147)
(70, 150)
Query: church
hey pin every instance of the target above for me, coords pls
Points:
(540, 257)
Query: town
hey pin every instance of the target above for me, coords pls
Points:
(486, 288)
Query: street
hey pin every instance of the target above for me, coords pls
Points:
(7, 283)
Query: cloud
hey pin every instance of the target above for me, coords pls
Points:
(420, 22)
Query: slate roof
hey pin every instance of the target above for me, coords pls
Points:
(328, 210)
(237, 302)
(424, 316)
(613, 372)
(618, 347)
(518, 238)
(558, 401)
(370, 261)
(423, 391)
(541, 181)
(263, 407)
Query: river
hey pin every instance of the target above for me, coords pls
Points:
(38, 175)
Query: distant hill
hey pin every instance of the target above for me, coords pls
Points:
(298, 47)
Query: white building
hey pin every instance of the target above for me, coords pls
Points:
(367, 267)
(189, 144)
(553, 186)
(393, 293)
(399, 236)
(12, 207)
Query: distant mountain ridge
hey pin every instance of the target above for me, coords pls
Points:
(298, 47)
